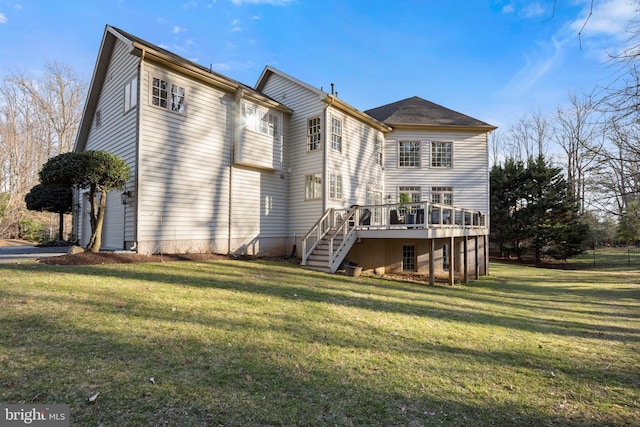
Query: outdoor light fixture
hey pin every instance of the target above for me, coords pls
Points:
(125, 197)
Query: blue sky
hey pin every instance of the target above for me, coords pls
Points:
(495, 60)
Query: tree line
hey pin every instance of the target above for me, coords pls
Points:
(39, 118)
(592, 146)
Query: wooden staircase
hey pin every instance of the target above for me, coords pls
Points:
(327, 243)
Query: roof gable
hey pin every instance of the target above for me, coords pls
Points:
(416, 111)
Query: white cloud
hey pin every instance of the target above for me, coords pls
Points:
(533, 10)
(508, 8)
(3, 18)
(535, 69)
(233, 65)
(271, 2)
(610, 18)
(177, 30)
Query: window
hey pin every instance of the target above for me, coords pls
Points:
(313, 134)
(336, 134)
(131, 94)
(408, 258)
(378, 152)
(409, 154)
(177, 99)
(261, 120)
(312, 186)
(167, 96)
(442, 195)
(98, 118)
(413, 193)
(375, 198)
(441, 154)
(335, 186)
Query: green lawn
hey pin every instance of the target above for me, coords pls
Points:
(259, 343)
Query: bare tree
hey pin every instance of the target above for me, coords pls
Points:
(38, 119)
(576, 131)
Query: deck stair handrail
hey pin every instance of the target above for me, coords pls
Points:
(342, 238)
(319, 230)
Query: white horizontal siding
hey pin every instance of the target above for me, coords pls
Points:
(469, 175)
(305, 104)
(356, 161)
(117, 134)
(185, 160)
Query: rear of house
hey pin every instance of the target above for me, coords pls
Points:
(221, 167)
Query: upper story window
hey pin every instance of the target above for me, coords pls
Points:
(335, 186)
(167, 95)
(441, 154)
(378, 152)
(336, 134)
(131, 94)
(409, 154)
(261, 120)
(442, 195)
(313, 134)
(312, 186)
(98, 118)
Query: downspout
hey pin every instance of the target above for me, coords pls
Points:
(236, 134)
(136, 192)
(325, 156)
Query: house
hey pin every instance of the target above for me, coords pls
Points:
(218, 166)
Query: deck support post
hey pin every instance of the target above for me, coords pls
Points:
(432, 262)
(452, 263)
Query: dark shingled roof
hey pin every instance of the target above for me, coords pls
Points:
(418, 111)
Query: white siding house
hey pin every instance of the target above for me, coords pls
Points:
(218, 166)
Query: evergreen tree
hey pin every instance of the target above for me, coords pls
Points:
(533, 210)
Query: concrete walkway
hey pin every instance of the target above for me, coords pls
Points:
(18, 251)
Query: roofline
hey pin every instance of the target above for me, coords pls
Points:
(272, 70)
(487, 128)
(347, 108)
(146, 52)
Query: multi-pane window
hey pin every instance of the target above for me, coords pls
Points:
(442, 195)
(441, 154)
(177, 99)
(269, 124)
(336, 134)
(260, 119)
(408, 258)
(409, 154)
(413, 193)
(312, 186)
(167, 95)
(130, 94)
(378, 152)
(375, 198)
(335, 186)
(98, 118)
(313, 134)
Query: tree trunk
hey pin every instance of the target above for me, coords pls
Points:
(97, 219)
(61, 226)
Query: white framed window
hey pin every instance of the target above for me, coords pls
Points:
(413, 192)
(98, 118)
(375, 198)
(377, 155)
(131, 94)
(335, 186)
(409, 154)
(442, 195)
(312, 186)
(441, 154)
(313, 134)
(336, 134)
(408, 258)
(167, 95)
(260, 119)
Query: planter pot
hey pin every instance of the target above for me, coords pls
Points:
(352, 270)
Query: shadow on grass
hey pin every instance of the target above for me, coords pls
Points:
(208, 381)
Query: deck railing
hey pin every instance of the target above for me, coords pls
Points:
(340, 225)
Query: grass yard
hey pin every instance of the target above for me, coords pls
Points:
(263, 343)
